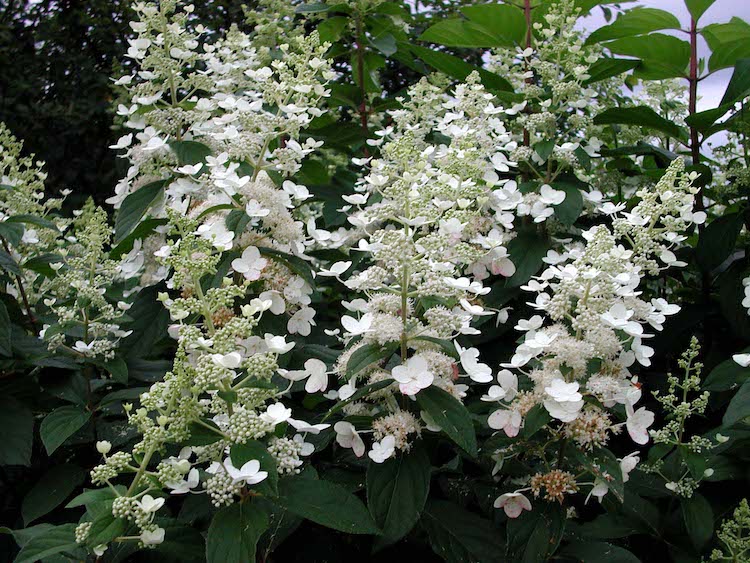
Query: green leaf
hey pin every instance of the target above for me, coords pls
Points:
(234, 532)
(667, 56)
(462, 33)
(95, 496)
(698, 7)
(727, 375)
(526, 251)
(446, 346)
(607, 67)
(326, 504)
(294, 263)
(331, 29)
(18, 434)
(50, 491)
(141, 232)
(739, 85)
(458, 68)
(598, 552)
(134, 207)
(703, 120)
(202, 436)
(8, 263)
(729, 42)
(570, 209)
(534, 536)
(190, 152)
(58, 539)
(640, 116)
(367, 355)
(33, 220)
(717, 241)
(385, 43)
(11, 232)
(117, 368)
(61, 424)
(459, 536)
(252, 449)
(504, 20)
(635, 22)
(6, 346)
(450, 415)
(699, 519)
(41, 264)
(105, 528)
(397, 491)
(739, 406)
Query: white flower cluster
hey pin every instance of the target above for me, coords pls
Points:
(555, 120)
(218, 392)
(225, 245)
(221, 154)
(433, 219)
(591, 327)
(80, 317)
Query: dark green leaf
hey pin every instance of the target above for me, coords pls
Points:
(458, 68)
(11, 232)
(294, 263)
(134, 207)
(6, 346)
(326, 504)
(61, 424)
(526, 251)
(534, 536)
(727, 375)
(446, 346)
(608, 67)
(397, 491)
(51, 490)
(18, 434)
(105, 528)
(358, 394)
(8, 263)
(190, 152)
(598, 552)
(570, 209)
(459, 536)
(739, 406)
(234, 532)
(450, 415)
(252, 449)
(56, 540)
(739, 85)
(639, 116)
(699, 519)
(367, 355)
(200, 435)
(717, 241)
(385, 43)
